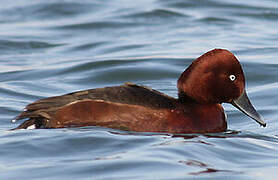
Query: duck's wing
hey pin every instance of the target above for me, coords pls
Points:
(126, 94)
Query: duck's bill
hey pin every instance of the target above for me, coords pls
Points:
(243, 104)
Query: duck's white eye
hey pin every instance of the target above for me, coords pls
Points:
(232, 77)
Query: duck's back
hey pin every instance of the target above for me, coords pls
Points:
(44, 112)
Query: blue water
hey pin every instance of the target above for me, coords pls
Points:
(55, 47)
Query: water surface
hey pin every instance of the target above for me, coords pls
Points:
(55, 47)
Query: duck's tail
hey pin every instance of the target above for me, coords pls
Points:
(32, 123)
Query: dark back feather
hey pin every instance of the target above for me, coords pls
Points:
(126, 94)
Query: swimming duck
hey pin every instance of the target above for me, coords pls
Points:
(214, 78)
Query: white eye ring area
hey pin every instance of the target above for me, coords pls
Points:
(232, 77)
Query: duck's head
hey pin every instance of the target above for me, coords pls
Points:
(217, 77)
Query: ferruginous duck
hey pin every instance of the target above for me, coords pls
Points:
(214, 78)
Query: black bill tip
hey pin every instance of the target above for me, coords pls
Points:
(243, 104)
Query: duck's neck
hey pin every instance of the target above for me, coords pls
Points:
(184, 98)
